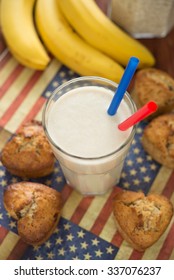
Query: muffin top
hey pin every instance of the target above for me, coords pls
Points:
(156, 85)
(28, 153)
(36, 207)
(141, 219)
(158, 139)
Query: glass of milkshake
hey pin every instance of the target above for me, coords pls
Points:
(84, 138)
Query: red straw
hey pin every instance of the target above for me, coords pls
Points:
(141, 114)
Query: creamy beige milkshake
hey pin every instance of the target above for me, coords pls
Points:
(85, 139)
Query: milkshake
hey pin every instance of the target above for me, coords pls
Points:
(85, 139)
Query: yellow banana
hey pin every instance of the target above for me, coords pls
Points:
(98, 30)
(20, 34)
(68, 47)
(26, 61)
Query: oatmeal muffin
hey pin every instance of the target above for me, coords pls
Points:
(28, 153)
(158, 139)
(156, 85)
(140, 219)
(36, 208)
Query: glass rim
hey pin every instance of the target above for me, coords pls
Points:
(74, 80)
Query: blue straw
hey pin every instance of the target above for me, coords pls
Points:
(123, 85)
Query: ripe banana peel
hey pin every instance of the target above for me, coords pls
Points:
(98, 30)
(20, 34)
(68, 47)
(27, 61)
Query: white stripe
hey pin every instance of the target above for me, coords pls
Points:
(124, 252)
(71, 204)
(8, 244)
(109, 229)
(3, 54)
(14, 90)
(161, 180)
(172, 255)
(93, 211)
(7, 70)
(32, 97)
(39, 114)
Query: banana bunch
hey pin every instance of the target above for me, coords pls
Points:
(95, 27)
(20, 34)
(61, 40)
(97, 47)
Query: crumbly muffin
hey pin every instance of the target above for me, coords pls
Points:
(28, 153)
(156, 85)
(36, 208)
(141, 219)
(158, 139)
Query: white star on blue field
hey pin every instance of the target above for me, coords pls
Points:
(71, 242)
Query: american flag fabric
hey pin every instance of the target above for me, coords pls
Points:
(87, 229)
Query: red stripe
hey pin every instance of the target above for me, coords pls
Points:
(168, 246)
(19, 99)
(81, 209)
(104, 213)
(66, 192)
(34, 110)
(3, 233)
(136, 255)
(11, 78)
(169, 187)
(5, 59)
(18, 250)
(117, 239)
